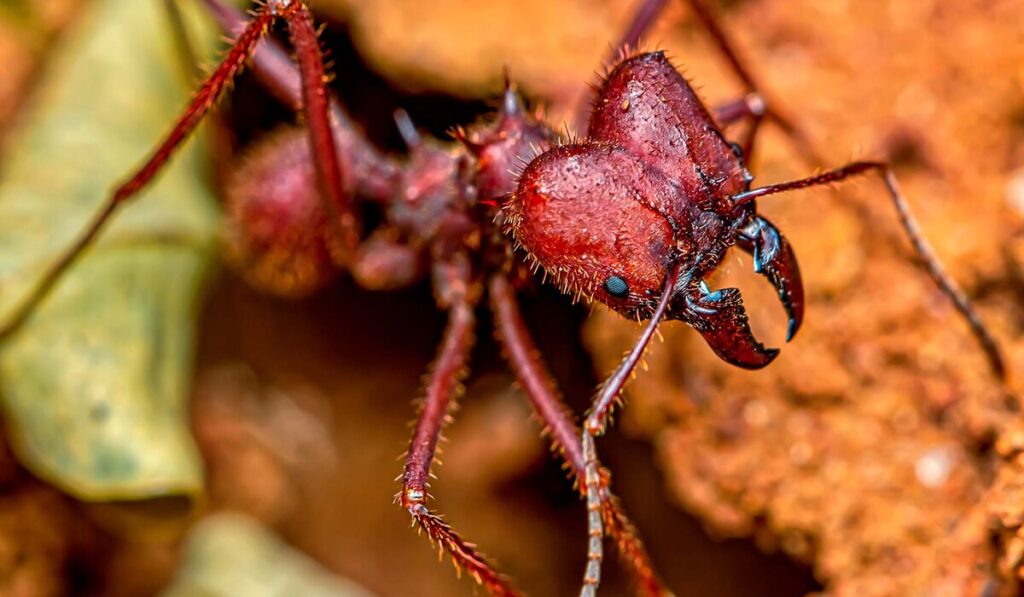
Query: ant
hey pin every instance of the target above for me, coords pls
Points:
(634, 213)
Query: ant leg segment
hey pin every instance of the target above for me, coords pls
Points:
(595, 526)
(372, 173)
(221, 140)
(443, 384)
(643, 19)
(725, 45)
(800, 139)
(270, 62)
(193, 114)
(532, 374)
(524, 358)
(201, 103)
(924, 250)
(333, 186)
(750, 106)
(747, 143)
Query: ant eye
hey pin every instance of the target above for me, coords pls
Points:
(616, 286)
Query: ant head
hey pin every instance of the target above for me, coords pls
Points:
(589, 216)
(648, 193)
(608, 216)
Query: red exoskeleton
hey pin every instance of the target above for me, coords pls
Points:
(635, 214)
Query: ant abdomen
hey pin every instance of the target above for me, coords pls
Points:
(277, 235)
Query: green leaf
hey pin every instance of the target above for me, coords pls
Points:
(94, 385)
(231, 554)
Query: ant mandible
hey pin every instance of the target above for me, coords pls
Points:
(635, 214)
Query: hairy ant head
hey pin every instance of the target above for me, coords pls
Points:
(647, 193)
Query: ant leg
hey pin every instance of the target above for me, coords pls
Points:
(643, 19)
(771, 112)
(924, 250)
(333, 186)
(750, 106)
(444, 383)
(197, 108)
(596, 423)
(270, 62)
(565, 435)
(221, 140)
(372, 173)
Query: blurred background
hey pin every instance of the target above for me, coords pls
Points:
(170, 430)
